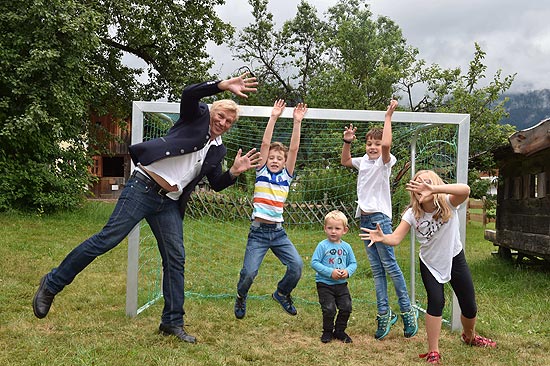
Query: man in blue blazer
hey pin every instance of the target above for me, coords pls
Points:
(167, 170)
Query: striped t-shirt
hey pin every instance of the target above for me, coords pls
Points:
(270, 193)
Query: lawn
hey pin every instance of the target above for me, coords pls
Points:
(87, 324)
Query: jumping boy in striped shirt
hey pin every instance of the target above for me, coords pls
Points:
(273, 180)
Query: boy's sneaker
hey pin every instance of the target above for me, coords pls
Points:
(384, 324)
(431, 357)
(286, 302)
(479, 341)
(343, 337)
(326, 336)
(410, 323)
(240, 307)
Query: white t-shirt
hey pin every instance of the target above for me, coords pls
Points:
(373, 185)
(182, 169)
(439, 242)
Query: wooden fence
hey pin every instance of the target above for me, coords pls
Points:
(211, 204)
(478, 204)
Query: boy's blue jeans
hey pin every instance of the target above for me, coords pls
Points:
(261, 238)
(137, 201)
(382, 260)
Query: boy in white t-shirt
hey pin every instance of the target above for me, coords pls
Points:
(374, 207)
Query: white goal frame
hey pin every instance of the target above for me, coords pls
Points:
(462, 120)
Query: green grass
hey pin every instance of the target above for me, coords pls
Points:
(87, 324)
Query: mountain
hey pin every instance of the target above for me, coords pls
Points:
(527, 109)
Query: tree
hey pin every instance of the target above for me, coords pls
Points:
(366, 58)
(62, 61)
(284, 59)
(169, 36)
(451, 91)
(360, 62)
(304, 37)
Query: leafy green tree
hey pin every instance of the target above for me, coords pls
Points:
(365, 58)
(62, 61)
(44, 91)
(284, 59)
(361, 62)
(451, 91)
(168, 36)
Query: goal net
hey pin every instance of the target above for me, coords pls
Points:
(216, 224)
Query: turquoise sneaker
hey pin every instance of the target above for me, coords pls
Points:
(410, 323)
(385, 322)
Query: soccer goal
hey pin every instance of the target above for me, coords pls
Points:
(217, 222)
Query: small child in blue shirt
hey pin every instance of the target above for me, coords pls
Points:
(334, 262)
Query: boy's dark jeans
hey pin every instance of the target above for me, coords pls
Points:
(331, 298)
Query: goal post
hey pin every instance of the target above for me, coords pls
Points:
(420, 122)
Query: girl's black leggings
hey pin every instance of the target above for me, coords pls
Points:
(461, 282)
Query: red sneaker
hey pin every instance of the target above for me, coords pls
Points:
(431, 357)
(479, 341)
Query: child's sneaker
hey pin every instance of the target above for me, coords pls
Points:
(479, 341)
(326, 336)
(240, 307)
(431, 357)
(286, 302)
(384, 324)
(410, 323)
(341, 335)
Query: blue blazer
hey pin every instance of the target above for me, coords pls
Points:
(189, 133)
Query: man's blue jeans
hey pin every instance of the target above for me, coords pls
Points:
(261, 238)
(382, 260)
(136, 202)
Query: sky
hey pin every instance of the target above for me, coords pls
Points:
(514, 34)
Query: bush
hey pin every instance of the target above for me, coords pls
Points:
(40, 187)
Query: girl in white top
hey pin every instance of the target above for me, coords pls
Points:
(433, 212)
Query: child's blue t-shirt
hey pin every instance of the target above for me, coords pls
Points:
(329, 256)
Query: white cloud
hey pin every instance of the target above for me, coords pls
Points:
(514, 34)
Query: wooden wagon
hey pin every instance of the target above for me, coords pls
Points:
(523, 195)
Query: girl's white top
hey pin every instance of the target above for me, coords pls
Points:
(439, 242)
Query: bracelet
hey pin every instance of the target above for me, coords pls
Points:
(233, 177)
(347, 142)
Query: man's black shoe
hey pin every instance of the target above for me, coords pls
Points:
(42, 300)
(176, 331)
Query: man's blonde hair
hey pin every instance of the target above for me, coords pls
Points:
(337, 216)
(227, 105)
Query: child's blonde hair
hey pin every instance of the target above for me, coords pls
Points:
(337, 216)
(443, 210)
(279, 146)
(227, 105)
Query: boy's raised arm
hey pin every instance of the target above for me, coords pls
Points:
(278, 108)
(349, 136)
(298, 114)
(387, 132)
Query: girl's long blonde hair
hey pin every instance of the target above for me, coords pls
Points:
(443, 210)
